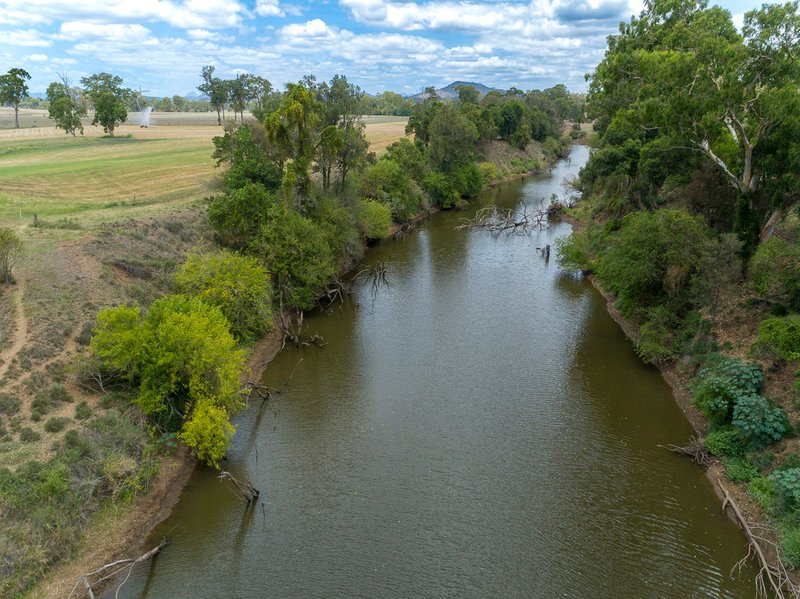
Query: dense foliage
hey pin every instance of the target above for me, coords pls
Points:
(182, 358)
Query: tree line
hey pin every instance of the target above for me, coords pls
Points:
(691, 200)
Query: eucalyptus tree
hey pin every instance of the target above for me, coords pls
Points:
(108, 99)
(14, 89)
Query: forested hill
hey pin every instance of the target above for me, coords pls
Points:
(691, 203)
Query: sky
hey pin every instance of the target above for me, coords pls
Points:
(160, 46)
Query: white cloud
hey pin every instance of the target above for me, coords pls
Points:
(186, 14)
(269, 8)
(78, 30)
(26, 37)
(36, 57)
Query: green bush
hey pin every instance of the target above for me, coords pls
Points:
(574, 253)
(775, 271)
(295, 250)
(9, 405)
(389, 183)
(376, 219)
(760, 422)
(28, 435)
(658, 337)
(786, 487)
(762, 491)
(781, 336)
(238, 285)
(726, 441)
(56, 425)
(721, 382)
(790, 545)
(488, 171)
(83, 411)
(739, 469)
(442, 188)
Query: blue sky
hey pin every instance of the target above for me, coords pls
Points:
(161, 45)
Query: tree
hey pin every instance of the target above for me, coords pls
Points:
(239, 94)
(183, 358)
(259, 91)
(13, 89)
(682, 71)
(11, 250)
(108, 98)
(468, 94)
(238, 285)
(65, 106)
(452, 139)
(292, 129)
(216, 89)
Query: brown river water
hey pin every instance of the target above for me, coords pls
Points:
(478, 428)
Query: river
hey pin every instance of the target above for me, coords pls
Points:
(478, 428)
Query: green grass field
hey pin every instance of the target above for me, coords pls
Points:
(92, 179)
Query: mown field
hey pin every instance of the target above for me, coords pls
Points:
(141, 171)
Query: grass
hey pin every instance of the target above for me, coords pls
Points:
(92, 179)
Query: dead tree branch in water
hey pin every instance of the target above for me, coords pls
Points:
(376, 274)
(773, 578)
(498, 220)
(696, 450)
(92, 580)
(404, 229)
(257, 390)
(290, 324)
(242, 489)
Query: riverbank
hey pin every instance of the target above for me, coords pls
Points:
(679, 382)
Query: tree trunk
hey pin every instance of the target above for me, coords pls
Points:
(772, 223)
(219, 120)
(16, 115)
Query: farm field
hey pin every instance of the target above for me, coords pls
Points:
(92, 178)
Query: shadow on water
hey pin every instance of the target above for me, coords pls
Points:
(480, 428)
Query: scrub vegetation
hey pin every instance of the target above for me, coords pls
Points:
(690, 213)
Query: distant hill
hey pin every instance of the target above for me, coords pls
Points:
(450, 92)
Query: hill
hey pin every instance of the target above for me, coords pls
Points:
(450, 92)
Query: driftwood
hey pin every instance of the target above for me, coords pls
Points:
(257, 390)
(242, 489)
(696, 450)
(773, 578)
(91, 580)
(291, 325)
(498, 220)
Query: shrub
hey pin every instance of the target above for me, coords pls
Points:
(442, 189)
(721, 382)
(726, 441)
(184, 357)
(658, 336)
(781, 336)
(573, 252)
(9, 405)
(294, 249)
(11, 250)
(388, 182)
(376, 219)
(775, 271)
(790, 545)
(238, 215)
(83, 411)
(28, 435)
(238, 285)
(786, 485)
(56, 425)
(739, 469)
(760, 422)
(488, 171)
(761, 490)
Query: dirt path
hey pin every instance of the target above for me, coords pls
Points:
(20, 330)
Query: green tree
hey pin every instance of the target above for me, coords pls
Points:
(11, 250)
(14, 89)
(295, 250)
(452, 139)
(238, 215)
(65, 107)
(108, 98)
(216, 90)
(184, 360)
(238, 285)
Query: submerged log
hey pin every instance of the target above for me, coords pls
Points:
(242, 489)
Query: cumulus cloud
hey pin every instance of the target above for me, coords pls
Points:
(269, 8)
(78, 30)
(26, 37)
(36, 57)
